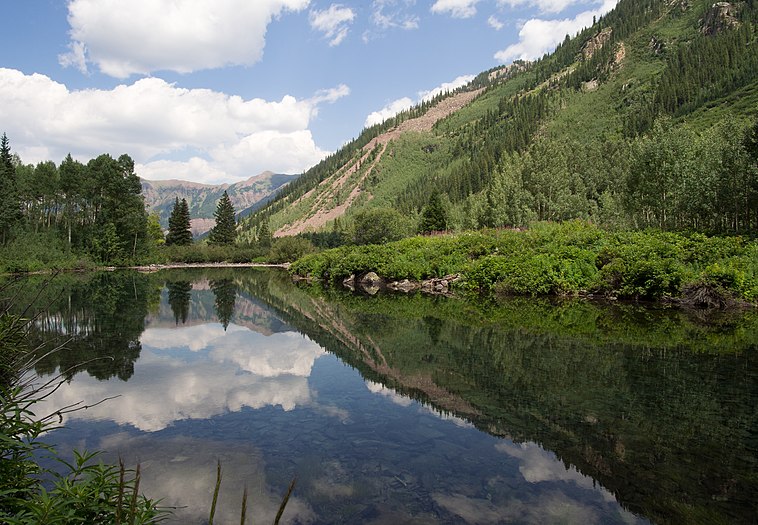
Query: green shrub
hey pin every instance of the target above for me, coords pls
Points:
(39, 251)
(379, 226)
(553, 258)
(288, 249)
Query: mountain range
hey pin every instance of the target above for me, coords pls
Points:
(202, 198)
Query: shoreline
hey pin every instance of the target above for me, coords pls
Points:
(149, 268)
(173, 266)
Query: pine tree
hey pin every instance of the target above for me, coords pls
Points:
(179, 232)
(434, 215)
(225, 230)
(264, 235)
(10, 208)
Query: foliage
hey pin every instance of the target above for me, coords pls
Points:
(288, 249)
(10, 210)
(555, 259)
(31, 251)
(224, 232)
(265, 237)
(434, 215)
(96, 209)
(155, 230)
(179, 232)
(204, 253)
(378, 226)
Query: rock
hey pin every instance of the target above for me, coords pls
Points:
(590, 85)
(720, 17)
(404, 286)
(596, 43)
(370, 283)
(371, 279)
(655, 45)
(439, 285)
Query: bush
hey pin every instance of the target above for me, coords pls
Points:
(555, 258)
(38, 251)
(203, 253)
(288, 249)
(379, 226)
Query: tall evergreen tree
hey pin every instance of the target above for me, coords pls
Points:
(225, 230)
(179, 232)
(265, 238)
(434, 215)
(10, 207)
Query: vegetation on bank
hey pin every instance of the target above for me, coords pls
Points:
(571, 258)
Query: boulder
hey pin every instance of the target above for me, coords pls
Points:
(371, 279)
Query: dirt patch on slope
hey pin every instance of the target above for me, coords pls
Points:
(322, 211)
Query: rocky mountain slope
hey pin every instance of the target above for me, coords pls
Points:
(202, 198)
(552, 139)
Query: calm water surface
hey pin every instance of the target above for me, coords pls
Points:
(413, 409)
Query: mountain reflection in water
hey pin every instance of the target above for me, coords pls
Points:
(406, 409)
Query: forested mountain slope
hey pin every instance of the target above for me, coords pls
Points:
(647, 118)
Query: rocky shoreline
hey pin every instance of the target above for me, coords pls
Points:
(372, 283)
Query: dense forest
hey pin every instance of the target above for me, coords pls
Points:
(74, 209)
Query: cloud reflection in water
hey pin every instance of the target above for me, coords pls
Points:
(224, 371)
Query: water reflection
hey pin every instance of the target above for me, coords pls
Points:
(448, 411)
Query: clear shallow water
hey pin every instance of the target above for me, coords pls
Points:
(408, 409)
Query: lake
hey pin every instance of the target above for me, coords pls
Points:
(405, 409)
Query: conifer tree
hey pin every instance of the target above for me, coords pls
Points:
(10, 209)
(225, 230)
(264, 235)
(179, 232)
(434, 215)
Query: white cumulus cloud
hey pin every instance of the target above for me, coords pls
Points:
(333, 22)
(538, 36)
(455, 8)
(402, 104)
(388, 111)
(232, 138)
(142, 36)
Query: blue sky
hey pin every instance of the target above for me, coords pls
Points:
(219, 90)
